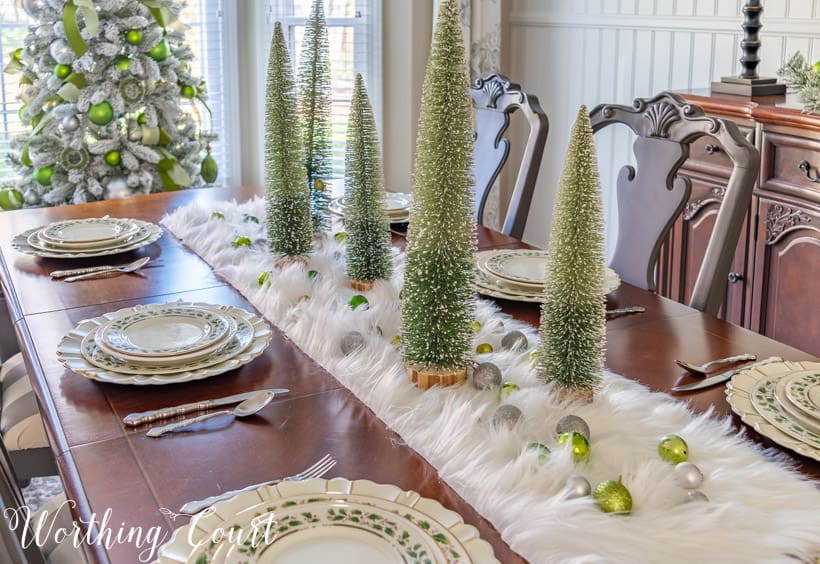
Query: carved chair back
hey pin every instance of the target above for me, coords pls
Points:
(495, 98)
(652, 194)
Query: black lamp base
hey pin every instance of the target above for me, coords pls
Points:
(748, 86)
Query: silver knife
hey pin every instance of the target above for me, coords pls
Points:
(722, 377)
(91, 269)
(134, 419)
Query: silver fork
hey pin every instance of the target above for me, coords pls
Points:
(315, 470)
(702, 369)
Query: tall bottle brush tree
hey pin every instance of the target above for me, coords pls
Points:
(313, 82)
(573, 314)
(367, 225)
(438, 302)
(102, 86)
(290, 231)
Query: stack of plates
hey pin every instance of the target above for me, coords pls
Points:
(340, 521)
(397, 205)
(519, 275)
(164, 343)
(781, 400)
(93, 237)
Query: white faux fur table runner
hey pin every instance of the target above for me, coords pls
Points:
(759, 511)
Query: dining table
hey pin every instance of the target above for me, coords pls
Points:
(115, 472)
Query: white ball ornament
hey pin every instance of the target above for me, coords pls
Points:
(696, 495)
(507, 416)
(70, 124)
(351, 342)
(116, 188)
(486, 376)
(31, 197)
(688, 476)
(514, 340)
(577, 486)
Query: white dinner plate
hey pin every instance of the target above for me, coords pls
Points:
(164, 330)
(148, 233)
(88, 230)
(338, 520)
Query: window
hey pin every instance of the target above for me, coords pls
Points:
(206, 36)
(355, 47)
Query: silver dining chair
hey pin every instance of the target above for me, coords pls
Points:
(495, 99)
(21, 426)
(651, 195)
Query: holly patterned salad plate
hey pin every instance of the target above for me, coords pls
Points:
(338, 520)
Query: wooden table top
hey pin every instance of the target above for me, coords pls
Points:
(105, 465)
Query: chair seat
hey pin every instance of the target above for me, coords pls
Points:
(57, 512)
(20, 422)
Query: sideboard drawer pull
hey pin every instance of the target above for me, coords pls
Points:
(711, 149)
(806, 167)
(735, 277)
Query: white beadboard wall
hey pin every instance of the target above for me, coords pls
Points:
(573, 52)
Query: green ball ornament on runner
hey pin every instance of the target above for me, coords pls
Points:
(673, 449)
(613, 497)
(578, 443)
(358, 301)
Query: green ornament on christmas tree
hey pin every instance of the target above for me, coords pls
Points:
(113, 158)
(160, 51)
(188, 91)
(133, 36)
(100, 114)
(62, 71)
(438, 304)
(288, 199)
(122, 63)
(43, 175)
(368, 229)
(315, 105)
(10, 199)
(573, 314)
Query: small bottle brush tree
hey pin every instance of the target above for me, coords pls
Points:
(438, 302)
(290, 231)
(313, 82)
(102, 85)
(368, 244)
(573, 314)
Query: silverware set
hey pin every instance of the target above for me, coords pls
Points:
(77, 274)
(722, 377)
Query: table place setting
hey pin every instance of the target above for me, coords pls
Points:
(164, 343)
(85, 238)
(520, 275)
(397, 206)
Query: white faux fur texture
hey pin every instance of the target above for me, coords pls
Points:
(759, 510)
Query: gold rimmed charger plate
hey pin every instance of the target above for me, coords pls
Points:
(739, 392)
(338, 520)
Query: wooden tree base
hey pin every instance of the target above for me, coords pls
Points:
(361, 285)
(286, 260)
(574, 394)
(427, 378)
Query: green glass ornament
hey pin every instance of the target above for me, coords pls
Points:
(507, 388)
(188, 91)
(816, 69)
(62, 71)
(673, 449)
(313, 274)
(341, 236)
(43, 175)
(533, 356)
(396, 341)
(101, 114)
(141, 119)
(11, 199)
(24, 157)
(160, 51)
(217, 215)
(579, 444)
(475, 326)
(209, 171)
(613, 497)
(122, 63)
(248, 218)
(264, 277)
(542, 450)
(133, 36)
(113, 158)
(484, 348)
(357, 301)
(242, 241)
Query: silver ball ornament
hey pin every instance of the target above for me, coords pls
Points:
(61, 51)
(351, 342)
(70, 124)
(570, 424)
(688, 476)
(31, 197)
(116, 188)
(577, 486)
(507, 416)
(514, 340)
(486, 376)
(33, 7)
(696, 495)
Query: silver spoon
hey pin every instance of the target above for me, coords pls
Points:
(216, 419)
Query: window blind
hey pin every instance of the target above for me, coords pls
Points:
(206, 36)
(353, 35)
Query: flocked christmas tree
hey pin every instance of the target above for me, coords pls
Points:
(438, 302)
(288, 200)
(573, 314)
(102, 85)
(367, 226)
(313, 82)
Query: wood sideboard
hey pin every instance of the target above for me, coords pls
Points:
(774, 284)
